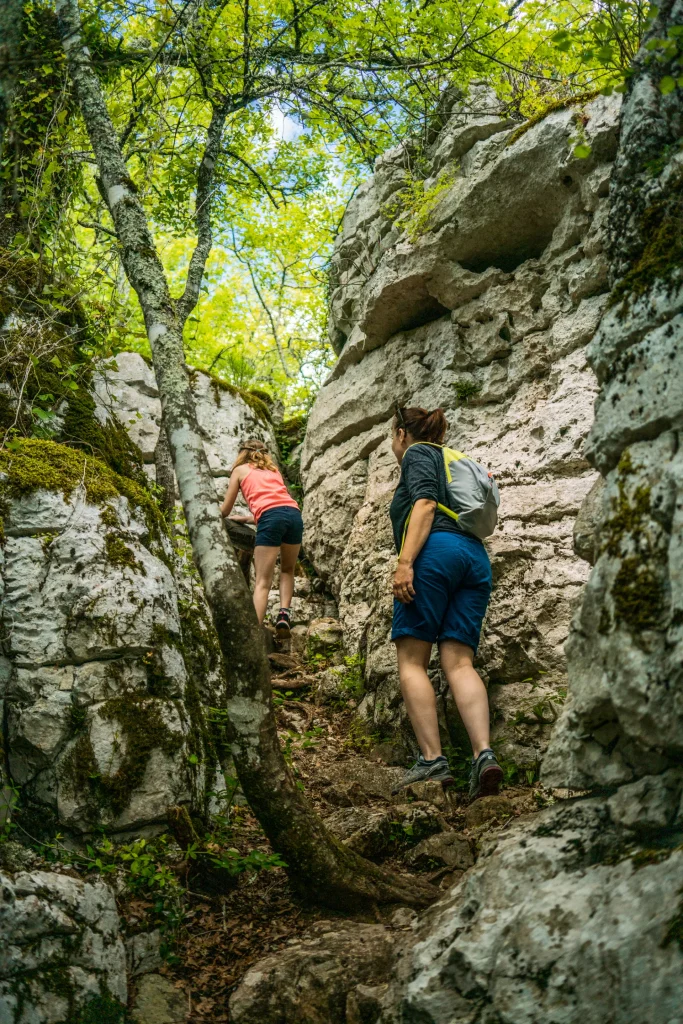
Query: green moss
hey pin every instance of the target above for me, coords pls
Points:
(674, 932)
(264, 396)
(109, 442)
(560, 104)
(629, 513)
(207, 740)
(32, 464)
(289, 434)
(79, 768)
(102, 1010)
(77, 716)
(217, 385)
(117, 552)
(637, 596)
(142, 730)
(661, 259)
(644, 858)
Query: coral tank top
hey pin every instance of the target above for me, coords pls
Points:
(264, 489)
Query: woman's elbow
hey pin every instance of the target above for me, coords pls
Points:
(427, 506)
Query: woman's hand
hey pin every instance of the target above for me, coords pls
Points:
(403, 583)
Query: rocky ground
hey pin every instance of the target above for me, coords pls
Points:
(424, 829)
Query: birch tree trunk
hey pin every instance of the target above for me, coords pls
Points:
(319, 866)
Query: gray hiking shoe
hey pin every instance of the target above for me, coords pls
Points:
(486, 776)
(425, 771)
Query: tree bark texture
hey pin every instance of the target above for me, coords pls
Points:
(320, 867)
(165, 475)
(11, 17)
(11, 12)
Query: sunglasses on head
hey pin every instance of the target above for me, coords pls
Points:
(399, 416)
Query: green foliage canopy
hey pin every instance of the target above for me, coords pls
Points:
(312, 94)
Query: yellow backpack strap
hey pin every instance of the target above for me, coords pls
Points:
(405, 531)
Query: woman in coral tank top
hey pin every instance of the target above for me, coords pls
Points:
(279, 526)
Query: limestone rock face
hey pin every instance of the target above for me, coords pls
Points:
(533, 931)
(484, 307)
(126, 387)
(61, 947)
(97, 689)
(625, 720)
(592, 888)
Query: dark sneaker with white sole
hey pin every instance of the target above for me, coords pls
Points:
(486, 776)
(283, 625)
(425, 771)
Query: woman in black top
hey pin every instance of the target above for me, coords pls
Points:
(441, 588)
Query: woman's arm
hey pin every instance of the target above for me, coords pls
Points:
(419, 528)
(231, 493)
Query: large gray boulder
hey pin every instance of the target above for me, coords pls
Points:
(625, 720)
(126, 387)
(102, 665)
(553, 908)
(61, 948)
(309, 982)
(486, 311)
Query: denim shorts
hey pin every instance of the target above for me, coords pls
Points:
(452, 583)
(282, 525)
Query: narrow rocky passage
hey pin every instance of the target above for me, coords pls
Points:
(424, 830)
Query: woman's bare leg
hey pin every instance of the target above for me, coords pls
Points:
(418, 693)
(288, 556)
(264, 566)
(468, 692)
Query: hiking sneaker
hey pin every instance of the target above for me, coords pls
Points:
(425, 771)
(283, 625)
(486, 776)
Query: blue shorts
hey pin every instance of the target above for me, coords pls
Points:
(452, 585)
(282, 525)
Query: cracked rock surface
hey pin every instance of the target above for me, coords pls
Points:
(487, 312)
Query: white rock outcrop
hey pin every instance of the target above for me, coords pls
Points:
(61, 948)
(95, 684)
(483, 305)
(126, 388)
(104, 672)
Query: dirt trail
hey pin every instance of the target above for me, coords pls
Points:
(425, 829)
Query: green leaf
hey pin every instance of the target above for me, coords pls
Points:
(667, 85)
(582, 151)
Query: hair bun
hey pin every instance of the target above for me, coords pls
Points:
(422, 424)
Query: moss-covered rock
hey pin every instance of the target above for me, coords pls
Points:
(29, 464)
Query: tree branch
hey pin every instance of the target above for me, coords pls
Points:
(205, 182)
(252, 170)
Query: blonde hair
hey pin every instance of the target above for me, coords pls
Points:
(256, 454)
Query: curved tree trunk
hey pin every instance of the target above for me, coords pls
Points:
(319, 865)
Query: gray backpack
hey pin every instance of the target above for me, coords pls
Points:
(473, 494)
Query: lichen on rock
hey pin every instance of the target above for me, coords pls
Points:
(492, 325)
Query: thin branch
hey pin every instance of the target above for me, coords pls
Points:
(205, 183)
(252, 170)
(95, 226)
